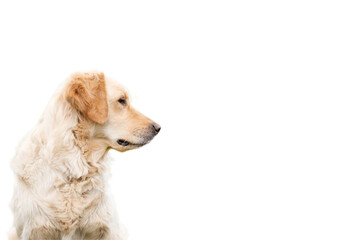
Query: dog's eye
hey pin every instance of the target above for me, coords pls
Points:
(122, 101)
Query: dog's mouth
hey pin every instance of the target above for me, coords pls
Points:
(142, 137)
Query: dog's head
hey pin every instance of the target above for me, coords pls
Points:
(106, 106)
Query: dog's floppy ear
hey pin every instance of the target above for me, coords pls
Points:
(87, 93)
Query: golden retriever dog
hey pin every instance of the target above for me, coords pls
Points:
(60, 166)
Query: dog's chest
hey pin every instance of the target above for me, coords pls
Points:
(73, 199)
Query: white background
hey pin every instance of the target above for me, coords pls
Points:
(258, 102)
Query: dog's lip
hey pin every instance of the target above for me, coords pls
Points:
(125, 143)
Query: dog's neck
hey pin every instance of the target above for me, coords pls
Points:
(73, 131)
(93, 148)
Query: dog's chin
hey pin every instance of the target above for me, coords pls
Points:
(124, 145)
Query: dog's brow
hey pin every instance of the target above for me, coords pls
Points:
(124, 95)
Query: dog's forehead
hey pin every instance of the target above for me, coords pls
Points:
(115, 89)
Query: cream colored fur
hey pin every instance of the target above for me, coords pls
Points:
(61, 165)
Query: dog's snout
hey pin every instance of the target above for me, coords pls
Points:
(156, 127)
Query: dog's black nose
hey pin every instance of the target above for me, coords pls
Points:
(156, 127)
